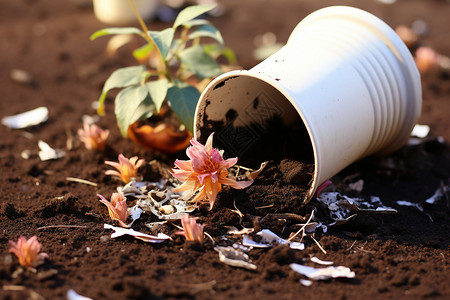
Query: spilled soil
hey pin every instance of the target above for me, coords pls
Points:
(401, 256)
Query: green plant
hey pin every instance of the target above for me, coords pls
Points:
(179, 56)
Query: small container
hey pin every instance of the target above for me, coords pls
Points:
(119, 12)
(344, 86)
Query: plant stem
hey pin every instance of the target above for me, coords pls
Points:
(161, 65)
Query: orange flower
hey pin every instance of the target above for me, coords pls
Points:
(93, 137)
(191, 230)
(117, 208)
(427, 59)
(127, 168)
(27, 251)
(206, 172)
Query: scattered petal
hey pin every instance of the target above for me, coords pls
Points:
(321, 262)
(27, 119)
(48, 153)
(93, 137)
(323, 273)
(192, 231)
(126, 168)
(234, 257)
(72, 295)
(118, 231)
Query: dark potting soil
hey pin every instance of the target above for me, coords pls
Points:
(394, 256)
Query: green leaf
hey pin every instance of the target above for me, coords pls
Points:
(190, 13)
(197, 61)
(196, 22)
(163, 40)
(183, 99)
(142, 52)
(121, 78)
(207, 31)
(216, 50)
(115, 30)
(126, 105)
(158, 91)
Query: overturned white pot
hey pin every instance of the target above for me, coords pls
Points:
(119, 12)
(344, 80)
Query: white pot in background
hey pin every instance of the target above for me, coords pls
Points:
(345, 73)
(119, 12)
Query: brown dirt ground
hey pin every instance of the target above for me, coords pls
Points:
(401, 256)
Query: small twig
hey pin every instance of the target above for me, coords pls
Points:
(210, 237)
(303, 227)
(318, 245)
(264, 206)
(81, 181)
(350, 248)
(62, 226)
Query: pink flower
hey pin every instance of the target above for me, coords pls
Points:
(93, 137)
(117, 208)
(127, 168)
(191, 230)
(27, 251)
(206, 172)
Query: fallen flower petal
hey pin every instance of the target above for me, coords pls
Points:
(117, 208)
(26, 119)
(27, 251)
(191, 230)
(205, 173)
(93, 136)
(118, 231)
(126, 168)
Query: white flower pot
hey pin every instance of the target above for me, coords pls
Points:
(343, 72)
(119, 12)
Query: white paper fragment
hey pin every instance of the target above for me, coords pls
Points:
(357, 186)
(321, 262)
(234, 257)
(72, 295)
(119, 231)
(297, 246)
(306, 282)
(135, 213)
(323, 273)
(232, 230)
(420, 131)
(27, 119)
(48, 153)
(343, 208)
(132, 189)
(268, 239)
(441, 192)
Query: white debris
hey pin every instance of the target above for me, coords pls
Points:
(357, 186)
(440, 193)
(27, 119)
(119, 231)
(343, 208)
(323, 273)
(420, 131)
(234, 257)
(135, 213)
(269, 239)
(306, 282)
(48, 153)
(72, 295)
(321, 262)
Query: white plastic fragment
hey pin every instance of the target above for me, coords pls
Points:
(72, 295)
(321, 262)
(269, 239)
(343, 208)
(234, 257)
(306, 282)
(297, 246)
(27, 119)
(420, 131)
(119, 231)
(323, 273)
(48, 153)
